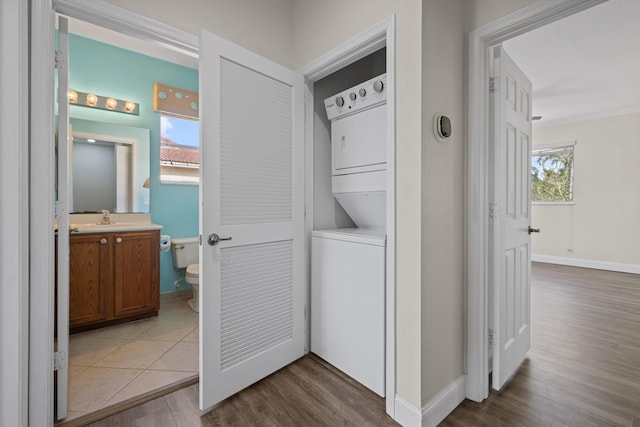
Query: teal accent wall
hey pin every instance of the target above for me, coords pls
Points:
(111, 71)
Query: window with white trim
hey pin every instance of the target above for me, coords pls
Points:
(179, 134)
(179, 150)
(552, 174)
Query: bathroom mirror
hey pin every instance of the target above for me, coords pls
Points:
(110, 166)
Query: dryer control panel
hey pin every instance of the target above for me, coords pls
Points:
(363, 96)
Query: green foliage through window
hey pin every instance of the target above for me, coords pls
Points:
(552, 174)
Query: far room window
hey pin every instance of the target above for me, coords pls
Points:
(552, 174)
(179, 134)
(179, 150)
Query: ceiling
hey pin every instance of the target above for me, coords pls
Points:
(585, 66)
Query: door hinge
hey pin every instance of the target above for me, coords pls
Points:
(490, 336)
(493, 84)
(493, 210)
(58, 60)
(200, 240)
(59, 208)
(59, 360)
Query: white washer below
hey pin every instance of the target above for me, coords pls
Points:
(348, 302)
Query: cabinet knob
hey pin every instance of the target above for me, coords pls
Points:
(119, 240)
(103, 241)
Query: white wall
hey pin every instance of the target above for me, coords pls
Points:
(445, 25)
(443, 283)
(603, 223)
(263, 26)
(14, 214)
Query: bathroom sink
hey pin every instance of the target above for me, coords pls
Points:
(120, 222)
(113, 227)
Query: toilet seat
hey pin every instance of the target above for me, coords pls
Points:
(193, 274)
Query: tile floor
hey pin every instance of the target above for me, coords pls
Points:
(113, 364)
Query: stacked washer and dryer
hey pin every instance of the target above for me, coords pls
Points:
(348, 265)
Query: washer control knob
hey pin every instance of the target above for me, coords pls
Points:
(378, 86)
(353, 96)
(362, 92)
(339, 101)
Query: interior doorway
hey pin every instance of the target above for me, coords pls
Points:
(479, 240)
(141, 358)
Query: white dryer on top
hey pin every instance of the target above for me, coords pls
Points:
(359, 151)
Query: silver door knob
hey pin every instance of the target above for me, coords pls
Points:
(533, 230)
(213, 239)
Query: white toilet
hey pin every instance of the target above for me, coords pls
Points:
(186, 255)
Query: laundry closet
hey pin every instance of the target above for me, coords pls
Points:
(348, 241)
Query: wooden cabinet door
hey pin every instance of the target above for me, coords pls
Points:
(89, 281)
(136, 272)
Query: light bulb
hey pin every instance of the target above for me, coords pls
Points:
(72, 95)
(92, 100)
(111, 104)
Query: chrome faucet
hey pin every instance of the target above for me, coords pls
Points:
(106, 219)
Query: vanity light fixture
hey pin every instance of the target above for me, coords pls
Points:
(92, 100)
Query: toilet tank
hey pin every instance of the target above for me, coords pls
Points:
(185, 251)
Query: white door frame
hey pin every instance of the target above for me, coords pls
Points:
(14, 226)
(112, 17)
(376, 37)
(478, 238)
(42, 171)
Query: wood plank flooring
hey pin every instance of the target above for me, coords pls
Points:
(309, 392)
(583, 370)
(584, 365)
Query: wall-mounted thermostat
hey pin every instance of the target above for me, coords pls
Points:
(441, 127)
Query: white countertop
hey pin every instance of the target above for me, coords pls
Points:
(92, 223)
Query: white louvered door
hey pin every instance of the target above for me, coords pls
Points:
(252, 183)
(511, 267)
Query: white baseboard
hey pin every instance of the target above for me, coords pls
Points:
(407, 414)
(436, 410)
(587, 263)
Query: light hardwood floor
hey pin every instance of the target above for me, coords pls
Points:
(583, 370)
(307, 392)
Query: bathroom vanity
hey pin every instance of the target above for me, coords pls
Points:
(114, 273)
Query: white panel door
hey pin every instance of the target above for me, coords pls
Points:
(62, 215)
(251, 190)
(511, 267)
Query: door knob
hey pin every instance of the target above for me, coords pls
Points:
(213, 239)
(533, 230)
